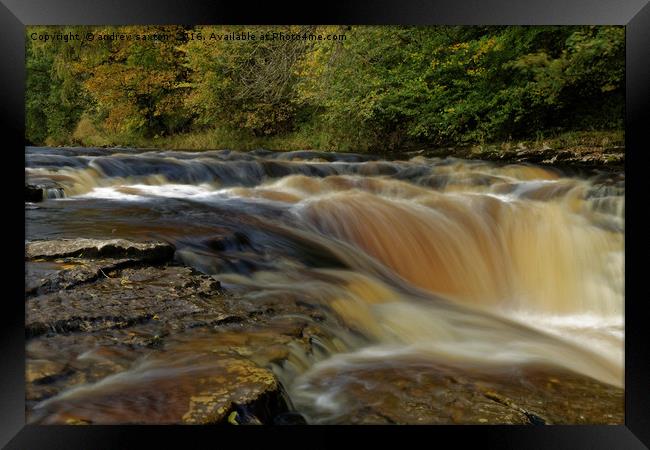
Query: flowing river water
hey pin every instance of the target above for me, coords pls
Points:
(413, 261)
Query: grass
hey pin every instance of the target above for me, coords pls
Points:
(234, 140)
(314, 138)
(212, 139)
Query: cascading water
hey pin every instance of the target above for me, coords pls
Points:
(420, 261)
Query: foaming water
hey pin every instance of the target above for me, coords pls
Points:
(478, 249)
(421, 261)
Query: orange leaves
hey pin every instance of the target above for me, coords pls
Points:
(133, 81)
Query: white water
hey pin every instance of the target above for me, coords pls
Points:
(494, 267)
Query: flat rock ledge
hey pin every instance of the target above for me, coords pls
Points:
(119, 332)
(98, 248)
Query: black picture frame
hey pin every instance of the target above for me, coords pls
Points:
(634, 14)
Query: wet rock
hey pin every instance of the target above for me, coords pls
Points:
(122, 299)
(168, 344)
(426, 394)
(97, 248)
(556, 396)
(42, 277)
(289, 418)
(247, 384)
(42, 370)
(194, 391)
(194, 382)
(237, 241)
(55, 265)
(200, 376)
(33, 193)
(37, 190)
(60, 361)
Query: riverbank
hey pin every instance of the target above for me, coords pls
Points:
(586, 150)
(604, 149)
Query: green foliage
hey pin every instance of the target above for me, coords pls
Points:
(54, 100)
(138, 87)
(379, 88)
(247, 84)
(467, 84)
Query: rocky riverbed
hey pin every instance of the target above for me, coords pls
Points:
(223, 287)
(95, 307)
(119, 332)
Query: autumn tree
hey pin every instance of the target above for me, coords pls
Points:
(138, 87)
(246, 84)
(380, 87)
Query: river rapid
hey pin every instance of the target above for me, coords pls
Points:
(413, 263)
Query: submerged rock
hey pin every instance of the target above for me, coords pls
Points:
(190, 391)
(411, 393)
(289, 418)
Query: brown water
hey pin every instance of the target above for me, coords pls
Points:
(422, 261)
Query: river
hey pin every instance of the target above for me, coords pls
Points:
(413, 262)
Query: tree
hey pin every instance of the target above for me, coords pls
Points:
(246, 84)
(54, 98)
(382, 87)
(138, 86)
